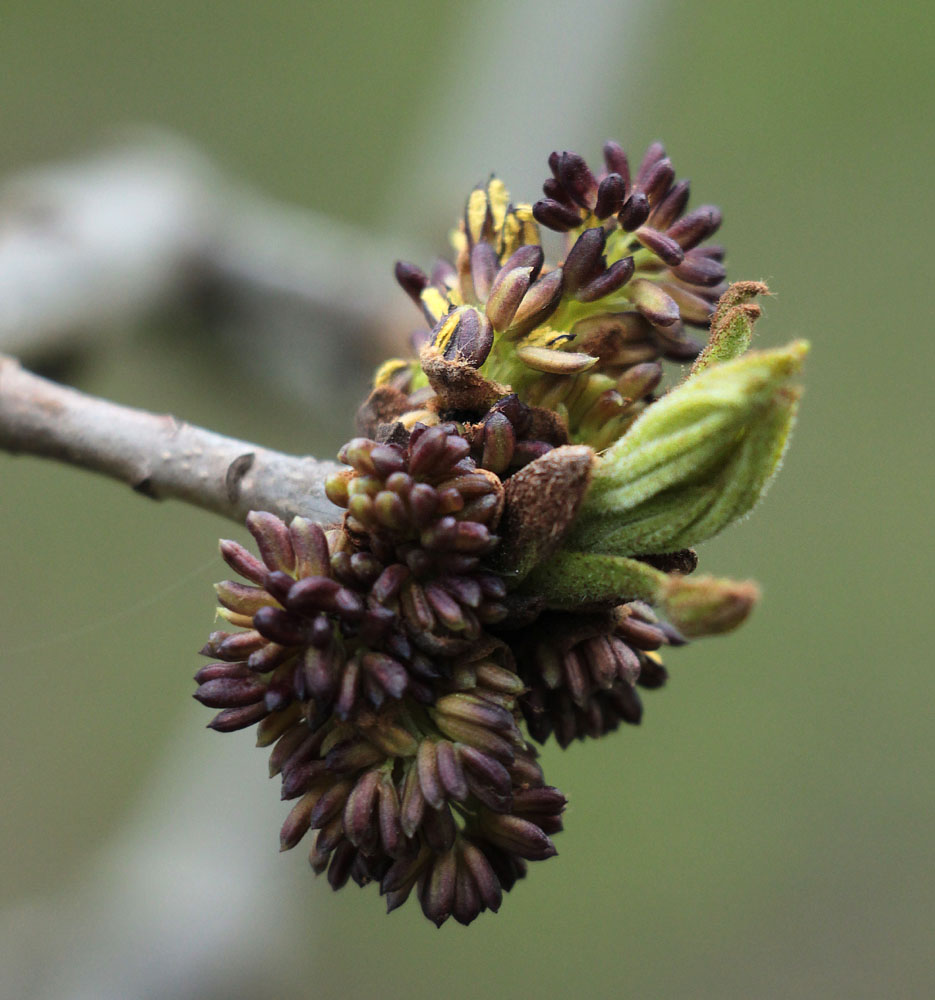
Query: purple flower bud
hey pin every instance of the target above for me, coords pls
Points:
(411, 279)
(657, 181)
(654, 153)
(661, 245)
(554, 215)
(585, 259)
(243, 562)
(484, 267)
(577, 179)
(695, 227)
(273, 541)
(699, 270)
(608, 282)
(635, 211)
(617, 162)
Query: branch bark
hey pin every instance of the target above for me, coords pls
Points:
(155, 454)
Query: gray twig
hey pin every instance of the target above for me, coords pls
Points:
(155, 454)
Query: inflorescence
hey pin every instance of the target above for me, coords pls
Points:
(401, 663)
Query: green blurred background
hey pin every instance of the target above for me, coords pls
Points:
(767, 832)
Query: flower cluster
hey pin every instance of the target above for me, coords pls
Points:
(514, 548)
(585, 338)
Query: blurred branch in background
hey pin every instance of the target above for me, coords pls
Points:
(156, 455)
(90, 248)
(136, 915)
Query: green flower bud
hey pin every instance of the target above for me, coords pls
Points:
(701, 606)
(695, 461)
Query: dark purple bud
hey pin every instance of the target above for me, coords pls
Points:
(423, 503)
(280, 626)
(628, 663)
(660, 309)
(241, 597)
(617, 162)
(477, 711)
(553, 189)
(429, 779)
(635, 211)
(232, 719)
(661, 245)
(296, 742)
(626, 703)
(518, 836)
(412, 805)
(653, 155)
(666, 211)
(598, 654)
(278, 585)
(482, 769)
(387, 672)
(235, 646)
(313, 593)
(585, 259)
(484, 267)
(330, 803)
(694, 309)
(538, 303)
(577, 179)
(491, 585)
(484, 878)
(450, 772)
(321, 679)
(296, 824)
(555, 159)
(425, 450)
(529, 255)
(480, 737)
(439, 829)
(576, 679)
(554, 215)
(696, 227)
(389, 583)
(391, 833)
(506, 294)
(446, 608)
(339, 871)
(217, 671)
(268, 657)
(230, 692)
(610, 196)
(387, 459)
(642, 635)
(658, 180)
(467, 901)
(713, 250)
(359, 811)
(614, 278)
(464, 335)
(243, 562)
(545, 801)
(639, 380)
(411, 279)
(350, 688)
(438, 891)
(698, 270)
(273, 541)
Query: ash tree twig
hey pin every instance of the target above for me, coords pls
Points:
(155, 454)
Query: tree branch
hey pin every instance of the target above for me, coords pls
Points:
(155, 454)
